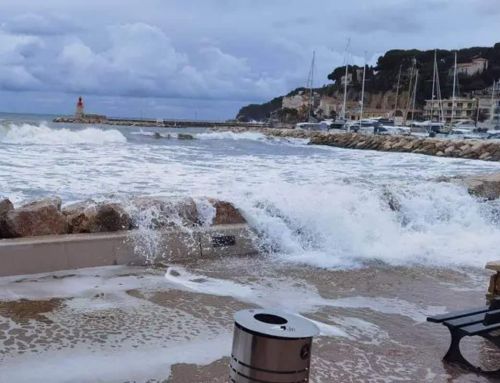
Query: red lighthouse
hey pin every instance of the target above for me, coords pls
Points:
(79, 108)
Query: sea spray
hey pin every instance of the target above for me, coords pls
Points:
(344, 225)
(155, 217)
(325, 206)
(42, 134)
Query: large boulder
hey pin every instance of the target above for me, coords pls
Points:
(5, 207)
(42, 217)
(112, 217)
(158, 212)
(484, 186)
(81, 217)
(226, 213)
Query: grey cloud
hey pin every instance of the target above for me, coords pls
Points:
(226, 52)
(36, 24)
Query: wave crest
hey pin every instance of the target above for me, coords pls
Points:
(44, 135)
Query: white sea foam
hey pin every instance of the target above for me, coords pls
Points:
(289, 295)
(113, 366)
(252, 136)
(45, 135)
(326, 207)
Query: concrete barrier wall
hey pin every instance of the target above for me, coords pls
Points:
(64, 252)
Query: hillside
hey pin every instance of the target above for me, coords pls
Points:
(381, 79)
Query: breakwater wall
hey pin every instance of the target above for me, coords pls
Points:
(487, 150)
(161, 123)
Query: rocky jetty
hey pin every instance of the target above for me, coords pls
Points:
(488, 150)
(46, 217)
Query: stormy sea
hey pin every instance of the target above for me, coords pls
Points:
(364, 243)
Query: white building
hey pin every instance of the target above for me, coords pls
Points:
(349, 79)
(465, 108)
(477, 66)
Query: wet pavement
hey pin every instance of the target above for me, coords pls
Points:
(126, 324)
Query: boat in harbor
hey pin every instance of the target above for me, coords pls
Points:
(391, 130)
(313, 126)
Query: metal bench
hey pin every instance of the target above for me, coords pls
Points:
(483, 321)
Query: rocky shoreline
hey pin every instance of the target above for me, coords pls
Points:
(486, 150)
(48, 217)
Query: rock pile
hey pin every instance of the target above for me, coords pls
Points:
(46, 217)
(488, 150)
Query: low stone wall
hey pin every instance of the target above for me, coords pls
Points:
(42, 236)
(44, 254)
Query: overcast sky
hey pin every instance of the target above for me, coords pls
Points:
(207, 58)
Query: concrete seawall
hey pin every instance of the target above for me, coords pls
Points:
(72, 251)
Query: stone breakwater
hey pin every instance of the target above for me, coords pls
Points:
(48, 217)
(487, 150)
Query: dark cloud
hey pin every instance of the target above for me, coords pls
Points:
(223, 51)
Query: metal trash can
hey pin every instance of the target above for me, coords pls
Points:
(271, 346)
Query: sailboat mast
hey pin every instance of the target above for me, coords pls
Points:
(397, 89)
(433, 85)
(345, 79)
(410, 86)
(362, 92)
(439, 97)
(454, 86)
(414, 95)
(345, 92)
(310, 84)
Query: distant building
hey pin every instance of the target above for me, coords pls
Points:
(86, 117)
(300, 101)
(349, 79)
(477, 66)
(79, 113)
(465, 108)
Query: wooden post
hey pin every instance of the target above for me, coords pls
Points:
(494, 288)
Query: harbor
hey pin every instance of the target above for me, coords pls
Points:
(249, 192)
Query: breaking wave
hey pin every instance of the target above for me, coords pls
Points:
(345, 225)
(42, 134)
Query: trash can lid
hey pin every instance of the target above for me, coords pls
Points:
(276, 323)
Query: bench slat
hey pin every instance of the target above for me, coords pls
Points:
(492, 317)
(457, 314)
(465, 321)
(479, 328)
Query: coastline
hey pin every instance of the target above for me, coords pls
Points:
(159, 123)
(486, 150)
